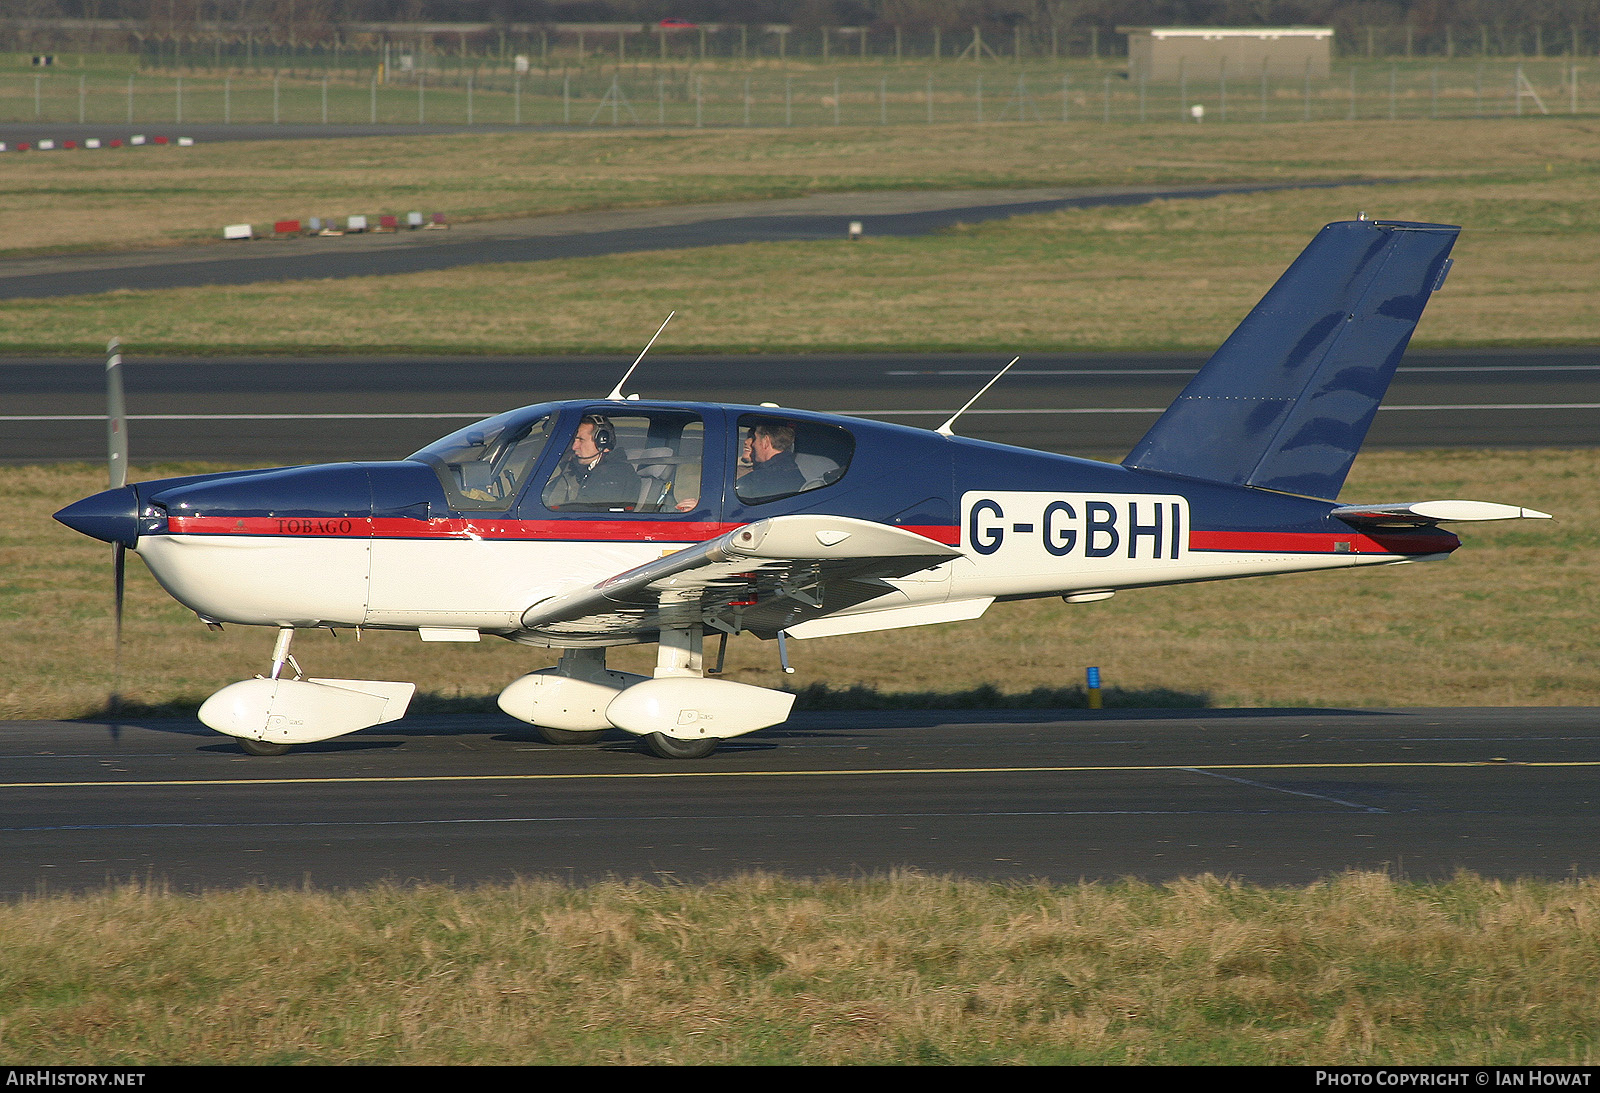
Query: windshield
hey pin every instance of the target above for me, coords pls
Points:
(484, 465)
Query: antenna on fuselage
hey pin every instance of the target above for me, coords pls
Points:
(948, 428)
(616, 394)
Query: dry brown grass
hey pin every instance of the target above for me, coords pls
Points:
(1508, 620)
(153, 196)
(904, 969)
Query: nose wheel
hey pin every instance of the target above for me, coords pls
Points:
(261, 747)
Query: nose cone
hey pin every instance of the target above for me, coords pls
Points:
(112, 516)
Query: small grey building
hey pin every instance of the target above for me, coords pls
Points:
(1167, 54)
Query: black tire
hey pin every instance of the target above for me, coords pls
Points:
(570, 736)
(261, 747)
(670, 747)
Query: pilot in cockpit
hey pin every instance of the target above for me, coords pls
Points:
(593, 475)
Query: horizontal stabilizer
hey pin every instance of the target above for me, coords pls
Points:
(1286, 401)
(1427, 513)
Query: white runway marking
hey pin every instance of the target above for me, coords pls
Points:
(1281, 789)
(469, 415)
(1418, 370)
(478, 415)
(1456, 408)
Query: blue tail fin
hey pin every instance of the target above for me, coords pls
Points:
(1286, 401)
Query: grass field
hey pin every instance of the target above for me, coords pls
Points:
(1169, 275)
(1175, 274)
(1508, 620)
(148, 196)
(1357, 969)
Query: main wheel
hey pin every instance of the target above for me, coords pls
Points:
(570, 736)
(261, 747)
(670, 747)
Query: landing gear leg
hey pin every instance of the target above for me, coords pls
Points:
(579, 664)
(281, 654)
(280, 657)
(681, 653)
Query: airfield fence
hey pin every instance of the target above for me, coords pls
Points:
(174, 39)
(678, 96)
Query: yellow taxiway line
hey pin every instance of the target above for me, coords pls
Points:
(1193, 768)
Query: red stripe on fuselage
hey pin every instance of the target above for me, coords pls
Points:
(383, 527)
(677, 531)
(1319, 542)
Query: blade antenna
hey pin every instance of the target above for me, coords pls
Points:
(616, 394)
(948, 428)
(116, 417)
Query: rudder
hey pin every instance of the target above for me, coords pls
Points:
(1286, 401)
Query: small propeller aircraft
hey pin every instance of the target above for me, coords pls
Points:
(585, 524)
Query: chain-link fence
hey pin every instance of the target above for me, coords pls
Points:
(1027, 42)
(654, 95)
(172, 37)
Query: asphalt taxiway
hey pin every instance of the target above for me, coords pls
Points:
(1266, 796)
(569, 235)
(298, 410)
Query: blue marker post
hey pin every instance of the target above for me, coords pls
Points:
(1094, 688)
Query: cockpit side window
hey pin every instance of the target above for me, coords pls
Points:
(484, 466)
(780, 457)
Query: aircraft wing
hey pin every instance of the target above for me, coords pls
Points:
(1428, 513)
(763, 577)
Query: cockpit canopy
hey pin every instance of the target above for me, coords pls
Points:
(692, 461)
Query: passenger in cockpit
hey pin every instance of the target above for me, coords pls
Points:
(775, 472)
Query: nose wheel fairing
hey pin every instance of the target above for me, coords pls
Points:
(302, 711)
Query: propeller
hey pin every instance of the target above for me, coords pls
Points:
(117, 468)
